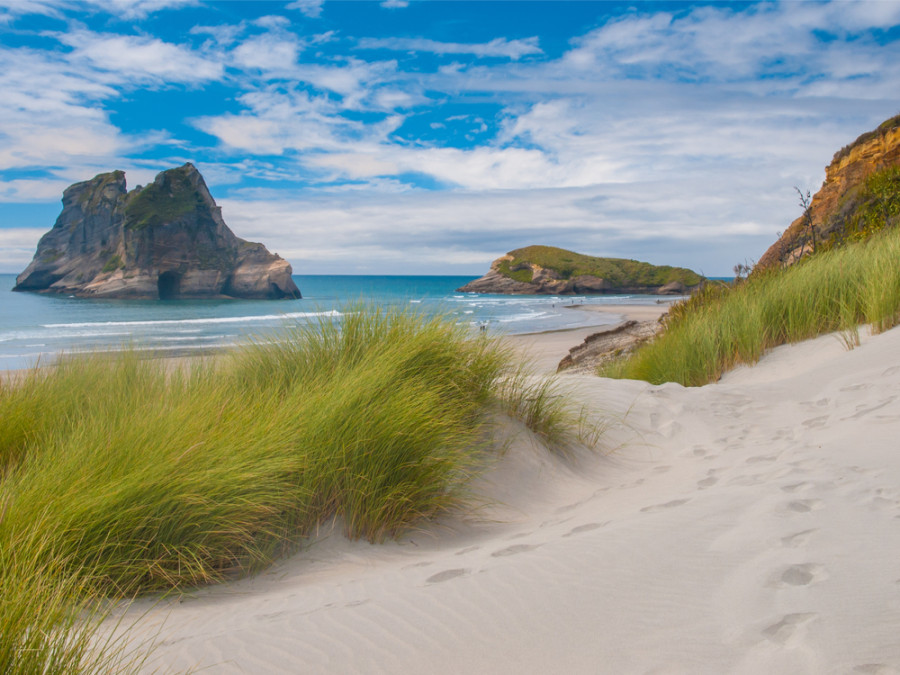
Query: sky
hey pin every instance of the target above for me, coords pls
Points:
(431, 137)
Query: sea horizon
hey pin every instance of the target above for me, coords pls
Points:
(35, 328)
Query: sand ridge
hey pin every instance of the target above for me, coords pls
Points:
(748, 526)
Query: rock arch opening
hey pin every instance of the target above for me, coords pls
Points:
(169, 285)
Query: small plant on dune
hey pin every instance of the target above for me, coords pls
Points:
(541, 405)
(810, 236)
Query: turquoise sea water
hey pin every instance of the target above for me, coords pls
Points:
(36, 327)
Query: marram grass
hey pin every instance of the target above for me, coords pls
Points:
(834, 290)
(120, 477)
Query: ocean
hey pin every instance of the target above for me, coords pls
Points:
(35, 328)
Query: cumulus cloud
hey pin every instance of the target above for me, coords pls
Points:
(126, 9)
(395, 4)
(461, 232)
(134, 58)
(498, 47)
(310, 8)
(278, 121)
(267, 52)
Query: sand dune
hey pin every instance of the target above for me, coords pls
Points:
(749, 526)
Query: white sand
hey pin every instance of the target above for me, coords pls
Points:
(749, 526)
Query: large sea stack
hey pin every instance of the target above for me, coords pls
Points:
(859, 196)
(547, 270)
(166, 240)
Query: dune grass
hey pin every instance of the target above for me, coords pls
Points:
(724, 326)
(120, 477)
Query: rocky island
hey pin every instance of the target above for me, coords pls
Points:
(547, 270)
(163, 241)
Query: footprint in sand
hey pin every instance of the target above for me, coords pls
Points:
(805, 505)
(798, 538)
(585, 528)
(782, 631)
(784, 434)
(514, 550)
(419, 564)
(707, 482)
(745, 481)
(803, 574)
(667, 505)
(468, 549)
(568, 507)
(893, 370)
(446, 575)
(796, 487)
(861, 411)
(856, 387)
(815, 422)
(761, 458)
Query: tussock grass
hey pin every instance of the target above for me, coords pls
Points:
(832, 291)
(542, 406)
(118, 477)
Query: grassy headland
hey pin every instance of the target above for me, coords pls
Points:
(726, 325)
(617, 271)
(118, 477)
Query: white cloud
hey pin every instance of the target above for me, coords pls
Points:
(139, 9)
(310, 8)
(395, 4)
(277, 121)
(126, 9)
(223, 35)
(498, 47)
(133, 59)
(426, 232)
(17, 246)
(267, 52)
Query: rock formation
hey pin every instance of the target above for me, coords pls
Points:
(843, 193)
(166, 240)
(609, 345)
(546, 270)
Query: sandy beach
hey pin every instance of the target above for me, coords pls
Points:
(748, 526)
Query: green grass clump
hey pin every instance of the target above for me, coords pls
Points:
(118, 477)
(617, 271)
(834, 290)
(114, 263)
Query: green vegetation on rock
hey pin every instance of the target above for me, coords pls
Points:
(114, 263)
(163, 201)
(867, 209)
(619, 272)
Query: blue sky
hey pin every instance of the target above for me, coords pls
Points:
(429, 137)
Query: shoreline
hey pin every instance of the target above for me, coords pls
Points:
(545, 344)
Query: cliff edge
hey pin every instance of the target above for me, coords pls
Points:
(547, 270)
(166, 240)
(860, 195)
